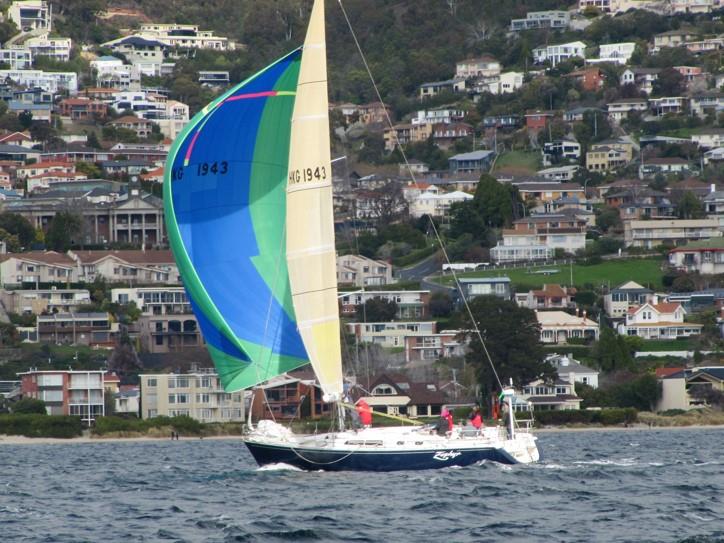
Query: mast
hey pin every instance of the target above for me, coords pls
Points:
(311, 256)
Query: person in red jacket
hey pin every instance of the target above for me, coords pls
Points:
(447, 414)
(365, 412)
(476, 419)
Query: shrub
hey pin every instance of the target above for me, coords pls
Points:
(606, 417)
(29, 406)
(41, 426)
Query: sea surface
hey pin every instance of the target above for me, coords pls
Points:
(635, 486)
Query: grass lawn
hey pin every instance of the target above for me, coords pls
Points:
(667, 345)
(524, 160)
(646, 272)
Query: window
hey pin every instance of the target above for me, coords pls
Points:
(151, 382)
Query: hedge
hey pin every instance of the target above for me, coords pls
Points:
(184, 425)
(606, 417)
(41, 426)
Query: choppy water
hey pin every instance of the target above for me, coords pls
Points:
(634, 486)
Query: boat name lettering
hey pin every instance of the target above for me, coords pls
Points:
(308, 175)
(446, 455)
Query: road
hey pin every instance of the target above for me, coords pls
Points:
(420, 270)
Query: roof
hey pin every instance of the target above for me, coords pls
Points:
(132, 119)
(632, 285)
(6, 149)
(44, 257)
(561, 318)
(554, 291)
(666, 160)
(130, 256)
(138, 41)
(501, 279)
(475, 155)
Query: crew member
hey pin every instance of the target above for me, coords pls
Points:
(365, 412)
(475, 418)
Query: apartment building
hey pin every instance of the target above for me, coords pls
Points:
(558, 53)
(53, 300)
(67, 392)
(92, 329)
(198, 395)
(167, 322)
(54, 82)
(52, 47)
(705, 257)
(360, 271)
(17, 58)
(620, 109)
(429, 347)
(29, 15)
(616, 53)
(650, 234)
(553, 19)
(389, 334)
(411, 304)
(36, 267)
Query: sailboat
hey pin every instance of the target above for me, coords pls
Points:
(248, 206)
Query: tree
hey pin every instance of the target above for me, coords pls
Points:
(689, 207)
(608, 218)
(669, 83)
(377, 310)
(511, 336)
(63, 230)
(496, 203)
(612, 352)
(465, 219)
(642, 393)
(124, 360)
(441, 304)
(19, 226)
(26, 119)
(29, 406)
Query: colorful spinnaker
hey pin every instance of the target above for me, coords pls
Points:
(258, 262)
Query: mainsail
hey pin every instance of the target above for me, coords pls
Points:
(258, 263)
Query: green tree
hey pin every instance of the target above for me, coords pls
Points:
(377, 310)
(511, 335)
(642, 393)
(608, 218)
(92, 170)
(689, 207)
(670, 82)
(26, 119)
(63, 231)
(612, 352)
(28, 406)
(19, 226)
(496, 203)
(465, 219)
(441, 304)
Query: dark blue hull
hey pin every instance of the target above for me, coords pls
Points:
(320, 459)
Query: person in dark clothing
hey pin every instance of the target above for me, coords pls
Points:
(445, 423)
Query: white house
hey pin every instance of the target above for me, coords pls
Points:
(617, 53)
(48, 81)
(439, 115)
(29, 15)
(622, 298)
(705, 257)
(17, 58)
(437, 204)
(558, 53)
(477, 67)
(573, 371)
(361, 271)
(658, 321)
(559, 327)
(620, 109)
(389, 334)
(653, 233)
(642, 78)
(52, 47)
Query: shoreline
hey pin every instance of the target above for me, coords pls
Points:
(22, 440)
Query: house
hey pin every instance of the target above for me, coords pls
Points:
(432, 347)
(148, 54)
(706, 103)
(708, 138)
(658, 321)
(428, 90)
(77, 393)
(198, 395)
(559, 326)
(559, 173)
(404, 133)
(590, 79)
(625, 296)
(555, 54)
(43, 45)
(668, 104)
(141, 127)
(54, 82)
(445, 135)
(438, 116)
(37, 301)
(502, 121)
(17, 59)
(397, 395)
(141, 267)
(360, 271)
(411, 304)
(389, 334)
(535, 121)
(650, 234)
(560, 151)
(704, 46)
(673, 38)
(642, 78)
(642, 204)
(620, 109)
(81, 109)
(520, 246)
(508, 82)
(476, 161)
(127, 167)
(93, 329)
(167, 323)
(214, 78)
(185, 36)
(693, 6)
(573, 371)
(541, 396)
(128, 401)
(704, 257)
(539, 194)
(616, 53)
(687, 388)
(36, 267)
(652, 166)
(713, 156)
(602, 158)
(486, 286)
(560, 230)
(714, 203)
(437, 204)
(552, 19)
(578, 113)
(485, 66)
(549, 297)
(30, 15)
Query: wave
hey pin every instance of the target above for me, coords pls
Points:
(281, 466)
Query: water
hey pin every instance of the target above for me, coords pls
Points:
(634, 486)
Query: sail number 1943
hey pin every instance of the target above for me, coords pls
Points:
(308, 175)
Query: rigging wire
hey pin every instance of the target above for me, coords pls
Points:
(412, 176)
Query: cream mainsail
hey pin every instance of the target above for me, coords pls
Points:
(311, 258)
